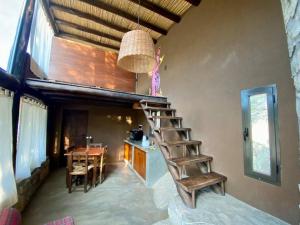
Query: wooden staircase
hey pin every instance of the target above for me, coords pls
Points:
(180, 152)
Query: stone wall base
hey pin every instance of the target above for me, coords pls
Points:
(27, 188)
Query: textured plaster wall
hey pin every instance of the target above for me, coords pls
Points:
(109, 125)
(217, 50)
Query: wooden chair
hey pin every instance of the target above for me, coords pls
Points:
(67, 150)
(102, 164)
(78, 166)
(95, 145)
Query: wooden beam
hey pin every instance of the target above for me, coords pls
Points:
(45, 5)
(73, 36)
(88, 17)
(17, 58)
(88, 30)
(159, 10)
(8, 81)
(91, 31)
(194, 2)
(77, 89)
(124, 14)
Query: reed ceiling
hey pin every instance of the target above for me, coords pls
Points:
(104, 22)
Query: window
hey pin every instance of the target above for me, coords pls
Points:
(31, 145)
(260, 131)
(40, 41)
(8, 190)
(10, 12)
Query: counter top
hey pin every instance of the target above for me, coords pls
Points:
(143, 145)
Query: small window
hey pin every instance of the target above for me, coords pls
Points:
(261, 148)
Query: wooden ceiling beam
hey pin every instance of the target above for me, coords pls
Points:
(73, 36)
(87, 30)
(194, 2)
(46, 7)
(88, 17)
(124, 14)
(159, 10)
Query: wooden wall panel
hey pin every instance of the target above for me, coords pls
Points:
(83, 64)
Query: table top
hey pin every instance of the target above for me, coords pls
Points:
(90, 151)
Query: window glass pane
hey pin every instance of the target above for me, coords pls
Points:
(261, 162)
(10, 12)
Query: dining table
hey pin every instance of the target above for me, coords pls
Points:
(95, 156)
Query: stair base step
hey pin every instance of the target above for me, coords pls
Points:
(191, 184)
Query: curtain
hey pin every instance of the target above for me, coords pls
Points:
(31, 145)
(40, 41)
(8, 190)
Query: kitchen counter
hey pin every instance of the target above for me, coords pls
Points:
(145, 160)
(143, 145)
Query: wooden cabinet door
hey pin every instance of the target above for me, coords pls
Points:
(128, 152)
(140, 162)
(136, 161)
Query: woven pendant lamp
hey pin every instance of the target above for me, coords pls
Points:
(137, 53)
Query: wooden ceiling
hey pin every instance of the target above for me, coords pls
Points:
(104, 22)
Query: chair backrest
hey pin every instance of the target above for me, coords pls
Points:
(95, 145)
(69, 149)
(78, 159)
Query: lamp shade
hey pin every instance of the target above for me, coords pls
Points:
(137, 53)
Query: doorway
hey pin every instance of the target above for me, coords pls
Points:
(74, 130)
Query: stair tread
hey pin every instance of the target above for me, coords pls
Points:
(192, 142)
(172, 129)
(165, 117)
(159, 109)
(152, 102)
(189, 159)
(193, 183)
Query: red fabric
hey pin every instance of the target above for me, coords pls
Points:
(65, 221)
(10, 217)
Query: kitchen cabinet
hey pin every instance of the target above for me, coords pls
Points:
(128, 152)
(144, 160)
(139, 164)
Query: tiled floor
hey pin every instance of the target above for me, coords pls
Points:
(120, 200)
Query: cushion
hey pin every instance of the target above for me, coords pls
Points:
(64, 221)
(10, 216)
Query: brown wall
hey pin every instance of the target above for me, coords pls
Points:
(218, 49)
(83, 64)
(108, 125)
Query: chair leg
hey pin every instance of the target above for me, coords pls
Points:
(67, 179)
(100, 175)
(85, 182)
(69, 183)
(94, 176)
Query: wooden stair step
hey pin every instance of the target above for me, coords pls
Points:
(159, 109)
(177, 143)
(189, 160)
(194, 183)
(154, 103)
(169, 129)
(165, 117)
